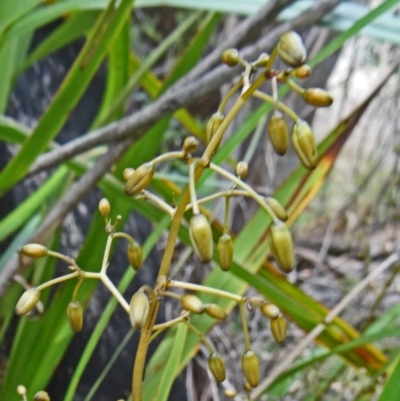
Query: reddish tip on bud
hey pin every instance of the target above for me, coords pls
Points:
(217, 367)
(278, 133)
(27, 301)
(230, 57)
(317, 97)
(34, 250)
(75, 316)
(140, 179)
(291, 49)
(104, 207)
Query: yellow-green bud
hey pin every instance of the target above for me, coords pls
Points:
(262, 60)
(139, 310)
(41, 396)
(304, 144)
(270, 310)
(215, 311)
(242, 169)
(140, 179)
(213, 124)
(28, 301)
(251, 367)
(291, 49)
(278, 133)
(201, 237)
(302, 72)
(317, 97)
(126, 174)
(225, 251)
(230, 57)
(230, 393)
(277, 208)
(104, 207)
(34, 250)
(281, 244)
(75, 316)
(192, 303)
(217, 366)
(190, 144)
(135, 255)
(279, 329)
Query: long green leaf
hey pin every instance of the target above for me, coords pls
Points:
(391, 390)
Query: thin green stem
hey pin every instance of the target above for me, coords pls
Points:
(65, 258)
(179, 154)
(155, 200)
(114, 291)
(192, 188)
(227, 213)
(269, 99)
(171, 295)
(245, 328)
(59, 280)
(297, 88)
(76, 289)
(230, 93)
(170, 323)
(201, 336)
(272, 58)
(106, 255)
(217, 195)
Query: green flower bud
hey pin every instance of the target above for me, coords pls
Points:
(279, 329)
(217, 367)
(75, 316)
(304, 144)
(278, 133)
(291, 49)
(262, 60)
(215, 311)
(34, 250)
(28, 301)
(277, 208)
(225, 251)
(302, 72)
(213, 124)
(139, 310)
(190, 144)
(317, 97)
(242, 169)
(41, 396)
(281, 244)
(230, 57)
(135, 255)
(140, 179)
(104, 207)
(270, 310)
(251, 367)
(201, 237)
(192, 303)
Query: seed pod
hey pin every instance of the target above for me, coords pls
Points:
(126, 174)
(281, 244)
(242, 169)
(230, 393)
(291, 49)
(75, 316)
(34, 250)
(277, 208)
(139, 310)
(302, 72)
(28, 301)
(41, 396)
(278, 133)
(230, 57)
(317, 97)
(192, 303)
(304, 144)
(190, 144)
(262, 60)
(217, 366)
(135, 255)
(104, 207)
(140, 178)
(279, 329)
(213, 124)
(215, 311)
(270, 310)
(251, 367)
(225, 251)
(201, 237)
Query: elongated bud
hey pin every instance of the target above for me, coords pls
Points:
(279, 329)
(278, 133)
(242, 169)
(225, 251)
(213, 124)
(127, 173)
(201, 237)
(317, 97)
(304, 144)
(302, 72)
(217, 366)
(230, 393)
(215, 311)
(230, 57)
(139, 310)
(34, 250)
(277, 208)
(140, 179)
(75, 316)
(291, 49)
(251, 367)
(41, 396)
(190, 144)
(192, 303)
(104, 207)
(270, 310)
(135, 255)
(281, 244)
(28, 301)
